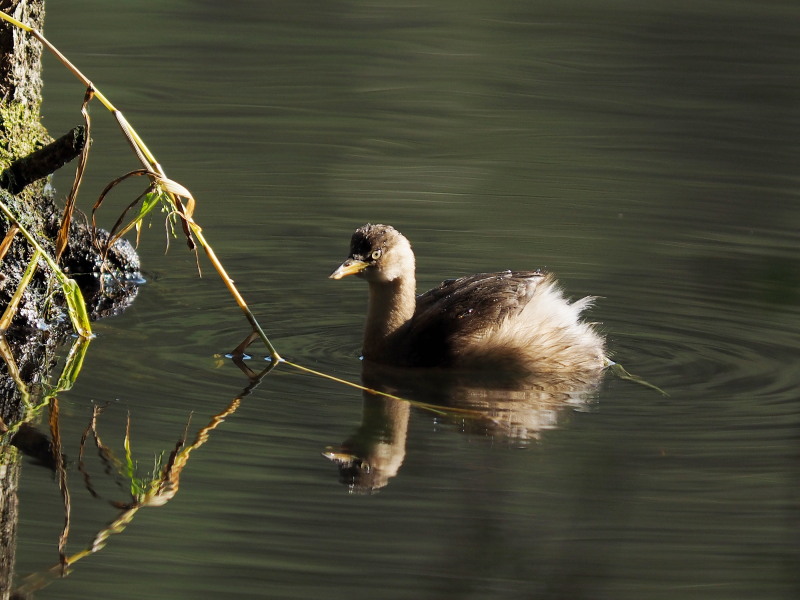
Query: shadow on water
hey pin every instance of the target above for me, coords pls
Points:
(506, 407)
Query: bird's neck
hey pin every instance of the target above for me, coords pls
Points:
(391, 305)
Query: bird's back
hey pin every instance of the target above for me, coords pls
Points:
(512, 318)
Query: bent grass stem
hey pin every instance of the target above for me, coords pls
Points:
(173, 190)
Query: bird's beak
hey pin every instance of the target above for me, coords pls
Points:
(349, 267)
(339, 456)
(346, 459)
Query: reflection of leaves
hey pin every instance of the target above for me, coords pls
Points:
(69, 374)
(13, 371)
(137, 488)
(154, 489)
(73, 365)
(127, 469)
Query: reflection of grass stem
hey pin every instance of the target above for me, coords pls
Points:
(66, 380)
(61, 472)
(438, 410)
(72, 365)
(46, 393)
(149, 491)
(155, 490)
(622, 373)
(163, 484)
(13, 371)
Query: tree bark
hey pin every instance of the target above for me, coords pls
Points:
(21, 54)
(41, 163)
(20, 82)
(9, 478)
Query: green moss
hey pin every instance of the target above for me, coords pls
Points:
(21, 131)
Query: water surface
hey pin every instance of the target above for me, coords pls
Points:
(646, 155)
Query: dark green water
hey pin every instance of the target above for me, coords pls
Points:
(646, 155)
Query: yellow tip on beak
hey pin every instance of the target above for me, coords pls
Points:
(349, 267)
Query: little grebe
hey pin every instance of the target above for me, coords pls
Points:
(513, 318)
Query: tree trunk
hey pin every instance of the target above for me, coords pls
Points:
(20, 82)
(21, 54)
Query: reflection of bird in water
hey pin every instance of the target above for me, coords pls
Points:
(373, 454)
(506, 408)
(509, 319)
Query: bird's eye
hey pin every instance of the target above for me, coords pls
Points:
(376, 254)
